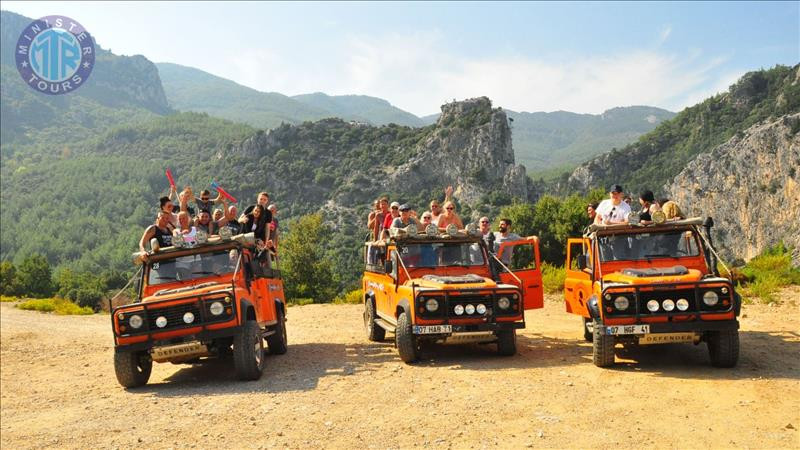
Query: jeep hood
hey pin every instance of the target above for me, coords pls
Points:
(185, 291)
(674, 274)
(454, 281)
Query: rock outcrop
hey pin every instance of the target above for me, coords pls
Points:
(750, 185)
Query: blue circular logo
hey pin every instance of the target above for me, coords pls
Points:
(55, 55)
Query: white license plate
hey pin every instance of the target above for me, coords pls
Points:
(432, 329)
(627, 329)
(666, 338)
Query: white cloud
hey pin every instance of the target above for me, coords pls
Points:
(417, 72)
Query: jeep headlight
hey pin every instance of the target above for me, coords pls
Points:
(710, 298)
(621, 303)
(188, 317)
(503, 303)
(161, 322)
(216, 308)
(432, 304)
(135, 321)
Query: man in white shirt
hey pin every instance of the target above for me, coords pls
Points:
(613, 210)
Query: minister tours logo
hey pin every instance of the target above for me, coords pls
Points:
(55, 55)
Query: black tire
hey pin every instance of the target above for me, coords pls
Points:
(602, 346)
(723, 347)
(248, 352)
(224, 348)
(405, 340)
(588, 329)
(375, 332)
(507, 342)
(132, 368)
(278, 343)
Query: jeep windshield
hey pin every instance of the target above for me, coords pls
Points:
(442, 254)
(645, 246)
(191, 267)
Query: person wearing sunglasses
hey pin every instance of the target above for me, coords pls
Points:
(486, 232)
(436, 209)
(449, 216)
(394, 212)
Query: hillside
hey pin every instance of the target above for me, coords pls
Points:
(121, 89)
(657, 157)
(190, 89)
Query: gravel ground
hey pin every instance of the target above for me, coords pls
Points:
(336, 389)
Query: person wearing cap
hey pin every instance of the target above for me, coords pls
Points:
(393, 214)
(404, 219)
(649, 206)
(613, 210)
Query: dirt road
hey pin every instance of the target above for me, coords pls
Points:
(335, 389)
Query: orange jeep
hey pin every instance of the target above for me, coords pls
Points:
(654, 284)
(209, 299)
(442, 288)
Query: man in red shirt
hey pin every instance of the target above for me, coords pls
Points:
(389, 218)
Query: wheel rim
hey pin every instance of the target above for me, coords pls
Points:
(257, 352)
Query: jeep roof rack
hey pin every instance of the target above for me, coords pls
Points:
(671, 224)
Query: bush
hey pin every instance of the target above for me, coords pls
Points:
(8, 298)
(299, 301)
(89, 298)
(553, 278)
(763, 275)
(60, 306)
(355, 297)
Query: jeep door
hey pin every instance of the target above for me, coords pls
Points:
(522, 258)
(578, 282)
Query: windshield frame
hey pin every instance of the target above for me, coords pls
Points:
(699, 250)
(173, 257)
(399, 247)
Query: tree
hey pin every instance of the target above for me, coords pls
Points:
(35, 276)
(305, 269)
(9, 283)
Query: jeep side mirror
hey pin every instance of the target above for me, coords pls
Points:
(582, 263)
(387, 266)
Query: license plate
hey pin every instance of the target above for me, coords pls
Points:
(628, 329)
(432, 329)
(666, 338)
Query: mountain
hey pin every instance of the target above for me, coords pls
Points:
(120, 89)
(549, 143)
(657, 157)
(750, 185)
(362, 108)
(190, 89)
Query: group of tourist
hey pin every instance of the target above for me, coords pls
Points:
(617, 208)
(198, 214)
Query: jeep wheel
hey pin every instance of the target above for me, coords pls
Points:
(132, 368)
(248, 352)
(278, 342)
(723, 347)
(588, 329)
(375, 333)
(507, 342)
(602, 346)
(405, 340)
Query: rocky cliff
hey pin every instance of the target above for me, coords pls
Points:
(750, 185)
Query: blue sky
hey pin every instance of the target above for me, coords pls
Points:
(581, 57)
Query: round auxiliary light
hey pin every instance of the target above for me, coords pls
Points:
(682, 304)
(481, 308)
(503, 302)
(452, 229)
(188, 317)
(216, 308)
(431, 230)
(658, 217)
(177, 239)
(135, 321)
(607, 296)
(724, 289)
(515, 296)
(710, 298)
(411, 230)
(652, 305)
(161, 322)
(668, 305)
(459, 310)
(621, 303)
(432, 304)
(201, 237)
(225, 233)
(469, 309)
